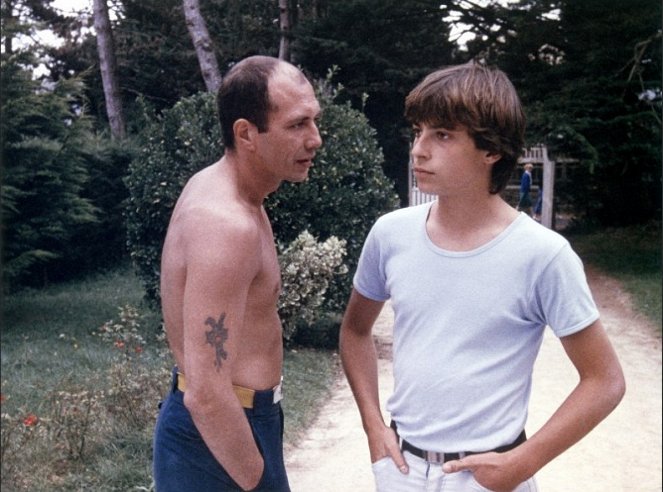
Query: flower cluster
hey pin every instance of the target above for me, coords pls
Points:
(307, 268)
(125, 333)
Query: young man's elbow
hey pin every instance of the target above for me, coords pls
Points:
(618, 388)
(614, 389)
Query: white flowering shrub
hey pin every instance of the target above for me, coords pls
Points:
(307, 268)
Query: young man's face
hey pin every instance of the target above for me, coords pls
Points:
(288, 146)
(447, 162)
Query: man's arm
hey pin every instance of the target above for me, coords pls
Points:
(222, 261)
(359, 359)
(599, 391)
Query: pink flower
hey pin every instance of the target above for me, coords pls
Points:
(119, 344)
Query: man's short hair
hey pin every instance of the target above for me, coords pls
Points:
(244, 94)
(480, 99)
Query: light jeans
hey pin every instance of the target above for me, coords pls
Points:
(429, 477)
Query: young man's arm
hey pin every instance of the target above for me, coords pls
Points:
(221, 265)
(600, 389)
(359, 359)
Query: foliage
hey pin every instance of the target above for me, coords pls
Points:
(307, 268)
(630, 254)
(589, 74)
(382, 49)
(155, 56)
(70, 427)
(82, 407)
(345, 193)
(45, 139)
(175, 145)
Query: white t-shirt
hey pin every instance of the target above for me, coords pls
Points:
(468, 325)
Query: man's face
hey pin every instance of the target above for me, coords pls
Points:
(288, 146)
(447, 162)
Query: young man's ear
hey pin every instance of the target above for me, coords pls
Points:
(491, 158)
(245, 133)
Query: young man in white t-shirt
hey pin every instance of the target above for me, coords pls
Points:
(473, 284)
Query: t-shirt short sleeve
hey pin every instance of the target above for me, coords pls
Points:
(370, 278)
(563, 295)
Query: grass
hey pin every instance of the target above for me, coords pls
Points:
(633, 256)
(96, 403)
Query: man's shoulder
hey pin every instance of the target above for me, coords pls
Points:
(201, 225)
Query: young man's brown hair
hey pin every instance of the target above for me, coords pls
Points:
(480, 99)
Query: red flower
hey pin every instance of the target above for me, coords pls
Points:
(139, 349)
(31, 420)
(2, 398)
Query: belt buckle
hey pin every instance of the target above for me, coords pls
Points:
(441, 458)
(434, 457)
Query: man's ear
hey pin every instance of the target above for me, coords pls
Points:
(492, 157)
(245, 133)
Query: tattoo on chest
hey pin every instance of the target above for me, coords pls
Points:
(216, 337)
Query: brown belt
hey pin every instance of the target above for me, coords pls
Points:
(244, 395)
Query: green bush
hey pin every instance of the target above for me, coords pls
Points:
(307, 268)
(175, 145)
(345, 193)
(102, 244)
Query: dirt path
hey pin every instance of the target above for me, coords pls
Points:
(624, 453)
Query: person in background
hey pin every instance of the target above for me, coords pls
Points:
(221, 426)
(538, 207)
(473, 284)
(524, 199)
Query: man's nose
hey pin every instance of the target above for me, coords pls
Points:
(418, 148)
(315, 140)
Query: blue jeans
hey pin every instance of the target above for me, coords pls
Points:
(182, 461)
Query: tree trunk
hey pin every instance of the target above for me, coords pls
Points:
(108, 67)
(9, 21)
(284, 22)
(202, 43)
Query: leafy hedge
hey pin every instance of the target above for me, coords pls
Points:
(307, 269)
(346, 191)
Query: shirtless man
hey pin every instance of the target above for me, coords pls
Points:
(221, 426)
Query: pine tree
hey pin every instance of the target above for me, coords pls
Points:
(44, 139)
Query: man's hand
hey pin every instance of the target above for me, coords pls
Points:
(494, 471)
(385, 443)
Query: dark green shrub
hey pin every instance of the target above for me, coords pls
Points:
(346, 192)
(175, 145)
(102, 244)
(45, 141)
